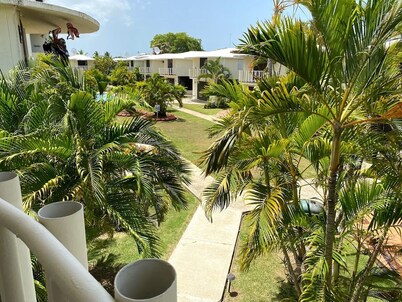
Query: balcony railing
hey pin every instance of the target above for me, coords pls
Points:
(58, 242)
(250, 76)
(145, 70)
(195, 72)
(167, 71)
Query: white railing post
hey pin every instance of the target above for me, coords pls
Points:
(65, 220)
(75, 281)
(16, 278)
(146, 280)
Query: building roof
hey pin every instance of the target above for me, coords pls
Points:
(39, 18)
(220, 53)
(80, 58)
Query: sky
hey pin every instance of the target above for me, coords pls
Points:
(128, 26)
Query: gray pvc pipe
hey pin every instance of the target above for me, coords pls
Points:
(16, 278)
(146, 280)
(65, 220)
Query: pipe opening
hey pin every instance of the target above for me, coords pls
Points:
(145, 279)
(7, 176)
(59, 209)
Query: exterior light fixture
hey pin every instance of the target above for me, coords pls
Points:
(230, 277)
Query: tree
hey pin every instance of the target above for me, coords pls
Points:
(349, 84)
(126, 174)
(175, 42)
(215, 71)
(156, 90)
(105, 63)
(121, 76)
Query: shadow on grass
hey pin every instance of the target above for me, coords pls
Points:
(103, 267)
(286, 292)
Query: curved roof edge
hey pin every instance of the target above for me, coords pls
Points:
(39, 18)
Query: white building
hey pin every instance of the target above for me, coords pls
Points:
(184, 68)
(81, 61)
(25, 25)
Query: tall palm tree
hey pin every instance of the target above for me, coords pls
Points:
(342, 62)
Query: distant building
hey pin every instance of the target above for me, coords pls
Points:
(81, 61)
(184, 68)
(25, 26)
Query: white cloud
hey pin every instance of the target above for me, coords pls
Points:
(102, 10)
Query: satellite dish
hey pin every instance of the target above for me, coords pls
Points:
(157, 50)
(74, 52)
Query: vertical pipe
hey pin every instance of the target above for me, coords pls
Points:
(16, 277)
(146, 280)
(65, 220)
(55, 258)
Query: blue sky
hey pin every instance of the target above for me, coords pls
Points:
(128, 26)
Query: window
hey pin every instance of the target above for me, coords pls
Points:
(203, 61)
(82, 63)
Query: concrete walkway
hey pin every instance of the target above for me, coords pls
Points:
(207, 117)
(203, 255)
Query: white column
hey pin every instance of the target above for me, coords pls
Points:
(146, 280)
(16, 278)
(195, 88)
(65, 220)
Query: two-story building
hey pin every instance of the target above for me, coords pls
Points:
(185, 68)
(25, 26)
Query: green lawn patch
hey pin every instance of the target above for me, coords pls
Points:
(188, 133)
(200, 108)
(264, 281)
(107, 254)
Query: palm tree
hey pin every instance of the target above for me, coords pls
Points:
(215, 71)
(347, 84)
(342, 60)
(126, 174)
(156, 90)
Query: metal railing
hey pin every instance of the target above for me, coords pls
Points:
(196, 72)
(167, 71)
(250, 76)
(145, 70)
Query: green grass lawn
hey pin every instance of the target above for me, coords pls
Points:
(200, 108)
(264, 281)
(188, 133)
(107, 254)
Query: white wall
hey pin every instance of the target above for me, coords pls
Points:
(156, 64)
(182, 66)
(11, 50)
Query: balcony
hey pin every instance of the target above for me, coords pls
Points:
(195, 72)
(167, 71)
(145, 70)
(250, 76)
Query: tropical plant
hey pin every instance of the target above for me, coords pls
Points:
(121, 76)
(156, 90)
(348, 83)
(214, 71)
(126, 174)
(175, 42)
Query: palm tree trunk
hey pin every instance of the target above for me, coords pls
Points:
(372, 260)
(290, 270)
(331, 201)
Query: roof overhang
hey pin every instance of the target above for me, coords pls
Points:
(40, 18)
